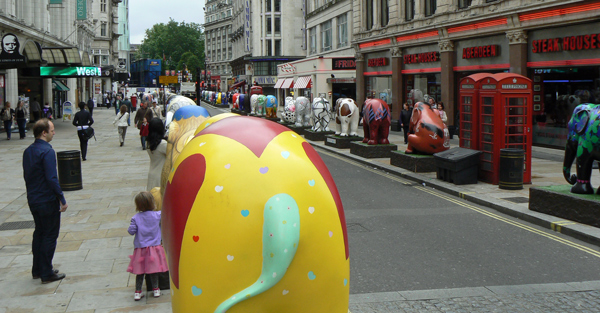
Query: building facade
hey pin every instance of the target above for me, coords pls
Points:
(429, 45)
(329, 68)
(105, 46)
(263, 36)
(123, 45)
(217, 44)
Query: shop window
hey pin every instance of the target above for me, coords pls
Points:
(409, 9)
(379, 88)
(430, 6)
(369, 15)
(385, 13)
(313, 40)
(342, 30)
(326, 36)
(463, 4)
(425, 84)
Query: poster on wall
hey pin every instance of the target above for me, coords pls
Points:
(97, 88)
(67, 111)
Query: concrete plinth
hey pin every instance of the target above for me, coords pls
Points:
(418, 163)
(560, 202)
(240, 112)
(316, 136)
(372, 151)
(298, 129)
(272, 119)
(340, 142)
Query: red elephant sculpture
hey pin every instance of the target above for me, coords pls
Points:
(428, 134)
(376, 122)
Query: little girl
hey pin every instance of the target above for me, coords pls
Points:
(148, 256)
(144, 133)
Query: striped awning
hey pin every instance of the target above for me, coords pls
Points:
(279, 83)
(304, 82)
(288, 83)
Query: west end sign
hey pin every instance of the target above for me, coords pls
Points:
(75, 71)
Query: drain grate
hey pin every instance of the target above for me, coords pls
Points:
(356, 228)
(17, 225)
(517, 199)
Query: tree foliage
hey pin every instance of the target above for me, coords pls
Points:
(177, 42)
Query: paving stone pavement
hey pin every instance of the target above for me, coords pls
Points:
(94, 245)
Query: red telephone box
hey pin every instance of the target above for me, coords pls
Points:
(503, 106)
(256, 90)
(469, 109)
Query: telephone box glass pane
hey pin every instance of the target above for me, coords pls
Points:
(487, 137)
(467, 126)
(467, 109)
(516, 102)
(486, 166)
(516, 111)
(488, 110)
(488, 101)
(487, 157)
(488, 119)
(466, 143)
(487, 147)
(488, 128)
(467, 135)
(516, 120)
(466, 117)
(467, 100)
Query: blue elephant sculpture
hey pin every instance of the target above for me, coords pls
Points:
(583, 145)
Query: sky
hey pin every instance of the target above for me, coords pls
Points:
(143, 14)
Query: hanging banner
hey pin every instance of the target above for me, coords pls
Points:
(246, 26)
(81, 9)
(67, 110)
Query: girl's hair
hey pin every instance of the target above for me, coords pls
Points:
(144, 201)
(123, 109)
(440, 104)
(156, 133)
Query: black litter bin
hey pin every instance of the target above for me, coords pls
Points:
(458, 165)
(511, 169)
(69, 170)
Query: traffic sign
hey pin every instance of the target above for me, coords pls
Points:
(168, 80)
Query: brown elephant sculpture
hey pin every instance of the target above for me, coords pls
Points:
(428, 134)
(376, 122)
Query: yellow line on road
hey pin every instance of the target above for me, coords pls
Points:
(511, 222)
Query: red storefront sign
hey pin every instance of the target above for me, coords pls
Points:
(422, 57)
(480, 52)
(343, 64)
(377, 62)
(569, 43)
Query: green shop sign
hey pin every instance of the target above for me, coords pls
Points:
(81, 9)
(80, 71)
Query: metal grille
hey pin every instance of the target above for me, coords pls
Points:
(356, 228)
(17, 225)
(517, 199)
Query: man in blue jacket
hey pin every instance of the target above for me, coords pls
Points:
(45, 198)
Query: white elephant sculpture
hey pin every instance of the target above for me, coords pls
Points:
(254, 104)
(302, 112)
(321, 114)
(289, 111)
(347, 117)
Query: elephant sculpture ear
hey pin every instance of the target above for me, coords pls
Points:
(581, 119)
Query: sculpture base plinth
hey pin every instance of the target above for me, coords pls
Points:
(286, 124)
(272, 119)
(418, 163)
(240, 112)
(298, 129)
(560, 202)
(341, 142)
(372, 151)
(316, 136)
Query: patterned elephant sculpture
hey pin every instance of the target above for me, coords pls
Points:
(427, 133)
(376, 122)
(583, 146)
(302, 112)
(346, 117)
(254, 105)
(234, 101)
(173, 104)
(282, 249)
(321, 114)
(289, 111)
(271, 106)
(261, 103)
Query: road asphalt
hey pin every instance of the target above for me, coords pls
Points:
(93, 245)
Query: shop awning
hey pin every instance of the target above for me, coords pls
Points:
(288, 83)
(279, 83)
(57, 85)
(242, 83)
(304, 82)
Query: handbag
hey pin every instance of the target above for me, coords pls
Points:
(89, 133)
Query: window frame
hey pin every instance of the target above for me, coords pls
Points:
(409, 10)
(342, 41)
(312, 35)
(463, 4)
(326, 33)
(430, 7)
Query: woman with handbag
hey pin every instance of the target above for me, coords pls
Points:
(121, 123)
(83, 120)
(8, 115)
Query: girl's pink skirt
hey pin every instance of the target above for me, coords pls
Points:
(148, 260)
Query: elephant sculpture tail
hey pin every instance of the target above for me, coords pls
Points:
(281, 233)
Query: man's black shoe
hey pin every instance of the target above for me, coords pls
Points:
(52, 278)
(38, 277)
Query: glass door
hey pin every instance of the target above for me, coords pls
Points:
(466, 123)
(487, 134)
(516, 126)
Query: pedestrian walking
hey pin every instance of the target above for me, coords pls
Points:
(21, 114)
(121, 123)
(148, 255)
(154, 111)
(117, 104)
(405, 116)
(8, 115)
(127, 103)
(47, 111)
(144, 133)
(157, 151)
(90, 105)
(35, 109)
(83, 120)
(45, 198)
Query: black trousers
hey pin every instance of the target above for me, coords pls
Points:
(47, 225)
(405, 129)
(83, 141)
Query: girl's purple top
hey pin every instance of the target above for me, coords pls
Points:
(146, 228)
